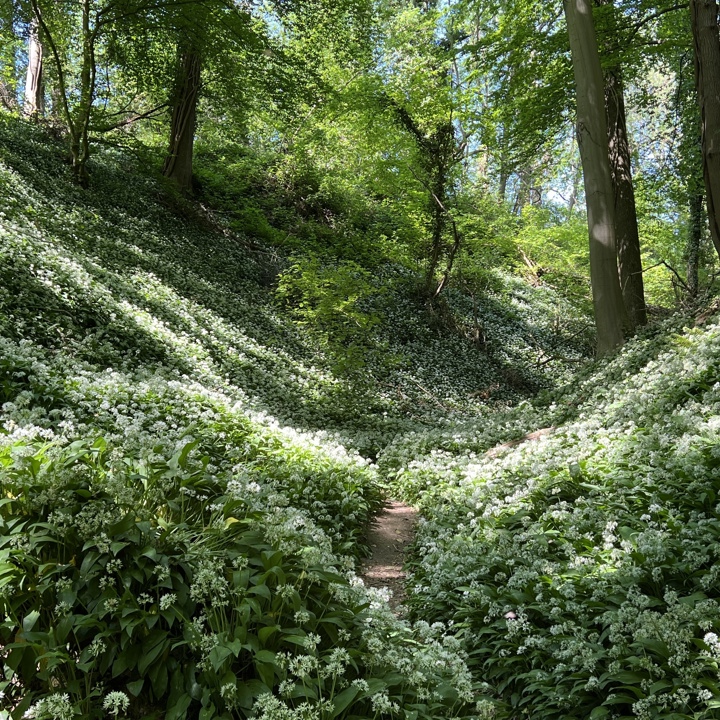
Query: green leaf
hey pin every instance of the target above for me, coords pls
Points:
(207, 713)
(135, 686)
(218, 655)
(29, 620)
(265, 656)
(344, 699)
(179, 710)
(266, 633)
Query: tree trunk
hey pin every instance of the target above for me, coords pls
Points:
(577, 179)
(523, 191)
(693, 244)
(704, 18)
(504, 169)
(610, 316)
(77, 120)
(34, 85)
(178, 164)
(626, 226)
(437, 226)
(502, 185)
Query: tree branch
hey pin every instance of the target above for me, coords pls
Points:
(131, 120)
(671, 269)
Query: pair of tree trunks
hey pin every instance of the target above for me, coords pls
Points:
(77, 118)
(615, 261)
(611, 318)
(706, 40)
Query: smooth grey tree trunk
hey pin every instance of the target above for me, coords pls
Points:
(610, 316)
(706, 40)
(179, 161)
(627, 234)
(34, 88)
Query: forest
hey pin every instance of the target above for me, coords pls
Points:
(268, 269)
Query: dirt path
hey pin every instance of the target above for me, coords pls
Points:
(389, 535)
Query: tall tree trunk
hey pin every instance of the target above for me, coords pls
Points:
(77, 119)
(34, 85)
(610, 316)
(504, 169)
(626, 225)
(523, 191)
(8, 91)
(693, 244)
(502, 185)
(704, 18)
(179, 160)
(79, 134)
(437, 226)
(572, 201)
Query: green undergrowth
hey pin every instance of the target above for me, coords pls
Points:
(581, 567)
(185, 453)
(172, 545)
(203, 405)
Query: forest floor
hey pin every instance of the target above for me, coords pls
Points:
(388, 537)
(393, 530)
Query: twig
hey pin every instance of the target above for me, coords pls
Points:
(429, 394)
(671, 269)
(131, 120)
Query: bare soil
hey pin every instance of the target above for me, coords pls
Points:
(388, 537)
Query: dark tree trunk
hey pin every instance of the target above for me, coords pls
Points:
(693, 244)
(704, 17)
(438, 212)
(610, 316)
(34, 85)
(626, 225)
(179, 161)
(504, 169)
(80, 140)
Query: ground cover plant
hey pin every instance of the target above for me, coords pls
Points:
(180, 535)
(581, 568)
(197, 426)
(265, 267)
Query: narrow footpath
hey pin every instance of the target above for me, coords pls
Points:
(394, 529)
(389, 535)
